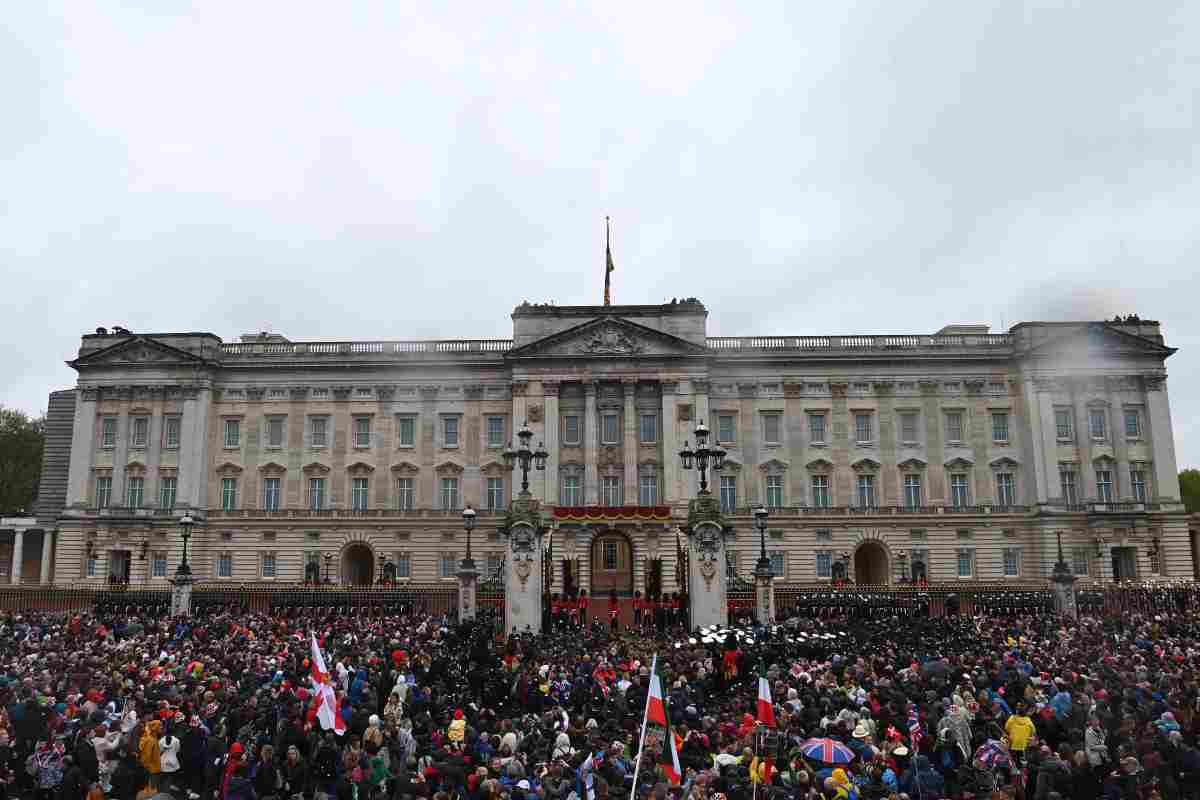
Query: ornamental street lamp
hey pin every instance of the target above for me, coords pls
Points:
(328, 560)
(763, 568)
(703, 455)
(468, 514)
(185, 528)
(524, 455)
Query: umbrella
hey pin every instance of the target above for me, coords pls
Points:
(993, 754)
(827, 751)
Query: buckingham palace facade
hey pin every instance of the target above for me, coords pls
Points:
(958, 455)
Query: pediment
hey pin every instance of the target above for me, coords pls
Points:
(449, 467)
(959, 463)
(360, 467)
(229, 468)
(1004, 462)
(140, 351)
(865, 465)
(405, 468)
(607, 337)
(912, 464)
(493, 467)
(272, 466)
(1099, 339)
(819, 465)
(315, 468)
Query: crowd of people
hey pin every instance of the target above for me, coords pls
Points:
(117, 704)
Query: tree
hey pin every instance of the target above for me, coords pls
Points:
(1189, 489)
(21, 443)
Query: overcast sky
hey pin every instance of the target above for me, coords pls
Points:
(391, 171)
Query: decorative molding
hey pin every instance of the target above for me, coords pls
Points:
(683, 412)
(793, 389)
(974, 385)
(385, 394)
(959, 463)
(819, 465)
(1104, 458)
(90, 394)
(360, 468)
(912, 464)
(405, 469)
(535, 412)
(299, 393)
(429, 392)
(865, 465)
(135, 469)
(255, 393)
(1098, 402)
(342, 393)
(449, 468)
(629, 386)
(272, 468)
(610, 339)
(168, 472)
(883, 386)
(1154, 383)
(1004, 462)
(315, 468)
(668, 386)
(747, 390)
(838, 388)
(773, 465)
(700, 387)
(494, 469)
(731, 465)
(229, 468)
(928, 386)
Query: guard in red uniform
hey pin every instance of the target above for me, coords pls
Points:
(638, 608)
(614, 611)
(583, 608)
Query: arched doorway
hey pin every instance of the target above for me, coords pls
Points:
(871, 564)
(358, 565)
(612, 564)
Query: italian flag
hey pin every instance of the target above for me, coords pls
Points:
(766, 709)
(656, 713)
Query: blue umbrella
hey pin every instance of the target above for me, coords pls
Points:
(827, 751)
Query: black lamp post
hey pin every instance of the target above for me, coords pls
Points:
(185, 528)
(468, 514)
(328, 560)
(1061, 567)
(703, 455)
(763, 569)
(524, 455)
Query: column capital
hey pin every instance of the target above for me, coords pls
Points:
(629, 386)
(668, 386)
(551, 388)
(699, 386)
(590, 387)
(1155, 383)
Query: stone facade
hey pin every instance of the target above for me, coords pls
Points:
(963, 450)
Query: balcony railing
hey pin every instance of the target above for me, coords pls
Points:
(1104, 508)
(856, 343)
(392, 349)
(344, 513)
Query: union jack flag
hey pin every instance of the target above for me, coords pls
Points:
(914, 727)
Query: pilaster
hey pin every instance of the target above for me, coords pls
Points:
(629, 447)
(18, 554)
(591, 447)
(550, 478)
(1158, 415)
(670, 443)
(192, 488)
(83, 449)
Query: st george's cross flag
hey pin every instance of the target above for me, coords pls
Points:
(656, 713)
(766, 709)
(325, 703)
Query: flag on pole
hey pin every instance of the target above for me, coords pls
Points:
(914, 727)
(766, 708)
(656, 713)
(325, 705)
(608, 264)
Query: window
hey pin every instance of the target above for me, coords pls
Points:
(966, 563)
(108, 433)
(728, 493)
(406, 434)
(404, 494)
(359, 494)
(103, 492)
(362, 431)
(866, 491)
(403, 566)
(908, 426)
(229, 494)
(448, 565)
(862, 427)
(824, 563)
(648, 490)
(270, 494)
(771, 428)
(726, 431)
(133, 492)
(774, 491)
(954, 426)
(649, 429)
(449, 493)
(495, 431)
(166, 494)
(158, 564)
(1000, 427)
(1064, 424)
(816, 428)
(316, 494)
(959, 493)
(1098, 424)
(912, 491)
(171, 433)
(494, 562)
(91, 564)
(495, 494)
(225, 565)
(1066, 479)
(1137, 480)
(450, 431)
(1012, 562)
(610, 553)
(608, 429)
(610, 490)
(570, 429)
(233, 433)
(778, 563)
(1133, 424)
(1080, 561)
(268, 565)
(1104, 486)
(317, 426)
(570, 491)
(141, 428)
(820, 491)
(1006, 492)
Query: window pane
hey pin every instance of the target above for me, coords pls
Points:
(1062, 423)
(609, 429)
(1012, 562)
(908, 427)
(318, 432)
(316, 493)
(816, 427)
(1137, 480)
(1099, 423)
(407, 431)
(1005, 491)
(495, 494)
(1104, 487)
(954, 423)
(1067, 482)
(229, 493)
(820, 490)
(268, 565)
(571, 430)
(103, 492)
(359, 495)
(450, 425)
(611, 490)
(403, 569)
(1133, 423)
(232, 433)
(1000, 427)
(1080, 561)
(774, 491)
(649, 428)
(225, 565)
(725, 428)
(966, 560)
(362, 432)
(133, 493)
(824, 563)
(648, 491)
(140, 426)
(166, 494)
(866, 491)
(570, 490)
(271, 494)
(777, 563)
(959, 495)
(862, 427)
(771, 428)
(449, 493)
(495, 431)
(912, 490)
(108, 436)
(171, 432)
(728, 493)
(404, 494)
(158, 567)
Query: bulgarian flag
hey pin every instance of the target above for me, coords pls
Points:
(656, 714)
(766, 708)
(325, 704)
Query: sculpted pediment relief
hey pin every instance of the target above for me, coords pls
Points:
(608, 337)
(138, 351)
(405, 468)
(912, 464)
(1101, 339)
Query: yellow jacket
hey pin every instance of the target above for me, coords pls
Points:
(457, 731)
(148, 748)
(1019, 729)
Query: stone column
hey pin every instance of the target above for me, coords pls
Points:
(523, 568)
(707, 581)
(468, 576)
(181, 595)
(120, 458)
(1158, 416)
(83, 448)
(591, 448)
(17, 555)
(47, 550)
(1083, 443)
(670, 444)
(765, 594)
(629, 447)
(1064, 585)
(550, 476)
(192, 487)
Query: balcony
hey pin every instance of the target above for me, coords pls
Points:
(433, 349)
(841, 345)
(341, 513)
(1093, 507)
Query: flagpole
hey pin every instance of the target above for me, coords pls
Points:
(645, 715)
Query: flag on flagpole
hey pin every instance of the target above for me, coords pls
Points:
(914, 727)
(656, 713)
(608, 264)
(325, 704)
(766, 708)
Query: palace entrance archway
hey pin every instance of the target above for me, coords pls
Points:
(358, 565)
(871, 564)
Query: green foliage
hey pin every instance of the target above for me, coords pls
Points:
(21, 442)
(1189, 489)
